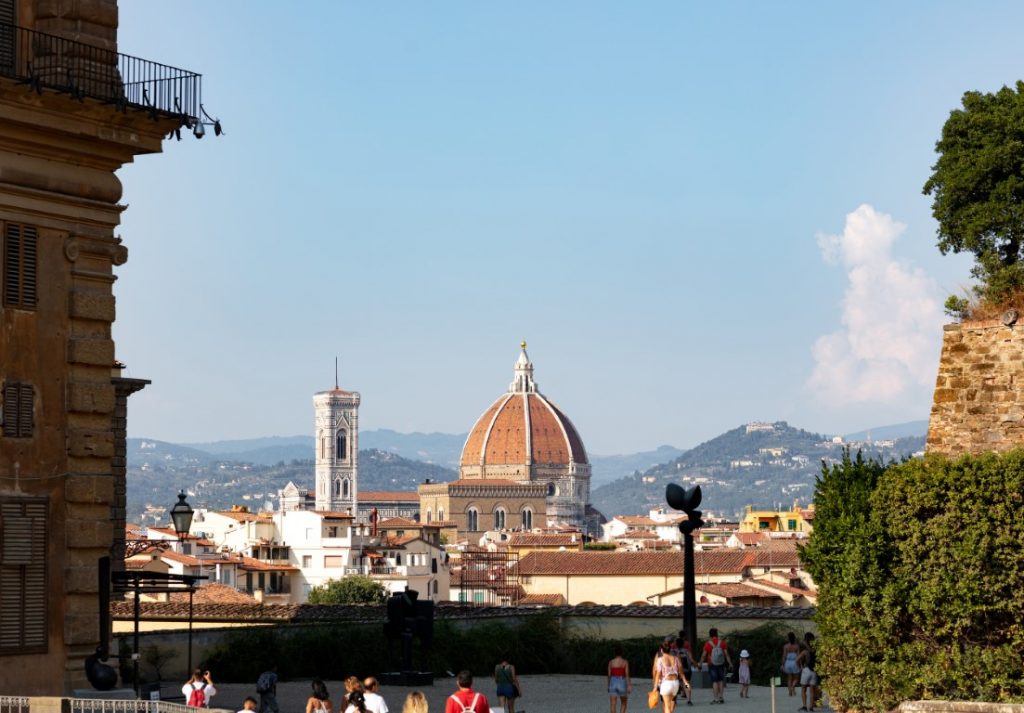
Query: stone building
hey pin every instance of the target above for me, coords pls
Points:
(523, 466)
(71, 114)
(337, 449)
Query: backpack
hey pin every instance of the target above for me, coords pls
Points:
(265, 683)
(471, 708)
(197, 699)
(717, 653)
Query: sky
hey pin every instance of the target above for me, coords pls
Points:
(696, 214)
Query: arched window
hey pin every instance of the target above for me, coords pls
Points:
(345, 490)
(323, 447)
(336, 488)
(551, 489)
(527, 519)
(499, 519)
(440, 514)
(472, 519)
(428, 516)
(342, 452)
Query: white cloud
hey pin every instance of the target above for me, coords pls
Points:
(892, 322)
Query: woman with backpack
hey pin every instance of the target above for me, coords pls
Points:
(199, 689)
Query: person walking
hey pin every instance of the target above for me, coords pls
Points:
(356, 702)
(790, 652)
(716, 654)
(682, 650)
(320, 701)
(415, 702)
(809, 691)
(619, 683)
(199, 689)
(374, 701)
(266, 689)
(352, 684)
(666, 676)
(507, 683)
(744, 674)
(465, 699)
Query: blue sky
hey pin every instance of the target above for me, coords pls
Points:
(697, 214)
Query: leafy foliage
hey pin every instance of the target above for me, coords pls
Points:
(353, 589)
(920, 567)
(978, 188)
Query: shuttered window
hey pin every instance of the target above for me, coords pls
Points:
(20, 263)
(19, 400)
(7, 20)
(22, 575)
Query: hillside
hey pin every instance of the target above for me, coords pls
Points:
(157, 470)
(765, 465)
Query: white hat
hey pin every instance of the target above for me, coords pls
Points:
(744, 654)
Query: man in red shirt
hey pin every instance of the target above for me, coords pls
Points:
(717, 656)
(466, 700)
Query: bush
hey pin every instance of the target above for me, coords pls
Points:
(919, 567)
(353, 589)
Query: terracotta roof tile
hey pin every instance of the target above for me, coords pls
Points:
(472, 452)
(734, 590)
(545, 599)
(636, 520)
(214, 593)
(396, 522)
(544, 539)
(630, 563)
(240, 516)
(374, 496)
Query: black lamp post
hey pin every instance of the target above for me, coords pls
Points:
(688, 500)
(181, 516)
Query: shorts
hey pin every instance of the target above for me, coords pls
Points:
(716, 673)
(506, 690)
(669, 687)
(617, 686)
(808, 677)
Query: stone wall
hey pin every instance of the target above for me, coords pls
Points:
(979, 393)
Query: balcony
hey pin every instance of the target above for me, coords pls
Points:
(42, 61)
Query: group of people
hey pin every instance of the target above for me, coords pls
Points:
(798, 663)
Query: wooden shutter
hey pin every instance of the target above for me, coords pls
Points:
(20, 265)
(19, 401)
(23, 595)
(7, 21)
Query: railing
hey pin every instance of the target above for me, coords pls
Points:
(44, 61)
(14, 704)
(131, 705)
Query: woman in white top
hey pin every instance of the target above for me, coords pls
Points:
(320, 701)
(667, 672)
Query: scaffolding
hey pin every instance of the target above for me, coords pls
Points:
(488, 578)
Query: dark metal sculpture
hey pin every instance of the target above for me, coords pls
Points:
(688, 500)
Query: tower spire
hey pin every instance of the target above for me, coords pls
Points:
(335, 372)
(522, 381)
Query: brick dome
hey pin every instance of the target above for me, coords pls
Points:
(522, 427)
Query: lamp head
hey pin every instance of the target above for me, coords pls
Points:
(181, 516)
(680, 498)
(199, 131)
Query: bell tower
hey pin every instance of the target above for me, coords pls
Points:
(337, 449)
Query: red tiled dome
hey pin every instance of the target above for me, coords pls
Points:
(523, 428)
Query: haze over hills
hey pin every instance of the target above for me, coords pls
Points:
(731, 468)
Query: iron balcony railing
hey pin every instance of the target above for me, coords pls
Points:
(44, 61)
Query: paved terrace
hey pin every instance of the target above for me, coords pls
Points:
(567, 693)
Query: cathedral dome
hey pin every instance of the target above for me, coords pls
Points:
(523, 428)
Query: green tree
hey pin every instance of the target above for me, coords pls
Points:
(353, 589)
(978, 189)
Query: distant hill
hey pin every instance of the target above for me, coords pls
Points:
(910, 429)
(605, 469)
(765, 465)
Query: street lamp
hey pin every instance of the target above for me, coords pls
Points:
(181, 516)
(688, 500)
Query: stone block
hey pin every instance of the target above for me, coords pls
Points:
(81, 580)
(84, 442)
(98, 352)
(945, 396)
(90, 303)
(90, 397)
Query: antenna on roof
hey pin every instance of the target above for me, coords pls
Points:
(335, 372)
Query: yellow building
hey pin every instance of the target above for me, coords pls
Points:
(795, 521)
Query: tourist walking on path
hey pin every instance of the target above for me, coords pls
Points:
(744, 674)
(507, 682)
(199, 689)
(789, 665)
(666, 675)
(466, 700)
(415, 702)
(716, 655)
(266, 688)
(682, 650)
(320, 701)
(248, 705)
(809, 691)
(352, 684)
(619, 683)
(356, 702)
(374, 701)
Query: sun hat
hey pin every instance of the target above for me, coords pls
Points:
(744, 654)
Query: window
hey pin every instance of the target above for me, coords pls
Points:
(342, 452)
(307, 561)
(435, 586)
(17, 411)
(440, 514)
(23, 595)
(332, 531)
(792, 524)
(344, 488)
(499, 519)
(527, 519)
(332, 561)
(186, 548)
(428, 516)
(335, 488)
(20, 266)
(472, 519)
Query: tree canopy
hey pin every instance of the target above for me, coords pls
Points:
(353, 589)
(978, 189)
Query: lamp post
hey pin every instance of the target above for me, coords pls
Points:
(181, 516)
(688, 500)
